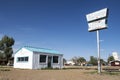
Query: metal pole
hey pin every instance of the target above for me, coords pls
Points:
(98, 48)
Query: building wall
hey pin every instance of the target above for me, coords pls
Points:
(115, 63)
(70, 63)
(116, 56)
(60, 62)
(23, 53)
(38, 65)
(34, 57)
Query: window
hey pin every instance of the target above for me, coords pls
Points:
(22, 59)
(55, 59)
(42, 58)
(26, 58)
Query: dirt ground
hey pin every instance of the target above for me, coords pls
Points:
(69, 74)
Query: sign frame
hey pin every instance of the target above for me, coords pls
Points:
(97, 16)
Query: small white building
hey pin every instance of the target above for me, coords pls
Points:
(116, 56)
(70, 63)
(37, 58)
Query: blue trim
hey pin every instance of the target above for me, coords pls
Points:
(18, 50)
(35, 49)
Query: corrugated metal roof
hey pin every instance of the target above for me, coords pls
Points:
(35, 49)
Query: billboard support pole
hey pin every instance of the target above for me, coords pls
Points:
(97, 21)
(98, 50)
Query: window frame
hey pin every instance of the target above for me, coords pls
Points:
(23, 59)
(42, 59)
(55, 59)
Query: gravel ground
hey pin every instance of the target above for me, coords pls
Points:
(69, 74)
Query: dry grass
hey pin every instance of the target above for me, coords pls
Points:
(68, 74)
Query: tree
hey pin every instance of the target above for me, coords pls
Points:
(110, 58)
(74, 59)
(93, 60)
(79, 60)
(103, 62)
(6, 50)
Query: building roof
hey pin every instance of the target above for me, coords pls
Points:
(35, 49)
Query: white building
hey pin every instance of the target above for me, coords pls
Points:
(70, 62)
(37, 58)
(116, 56)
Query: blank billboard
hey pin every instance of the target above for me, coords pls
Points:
(97, 25)
(97, 20)
(97, 15)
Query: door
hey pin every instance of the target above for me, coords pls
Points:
(49, 61)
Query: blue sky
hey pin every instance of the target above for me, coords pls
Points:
(60, 25)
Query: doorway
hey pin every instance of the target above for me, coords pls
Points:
(49, 61)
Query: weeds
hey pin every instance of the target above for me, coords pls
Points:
(50, 68)
(4, 79)
(104, 73)
(4, 69)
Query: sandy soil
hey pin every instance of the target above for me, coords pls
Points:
(73, 74)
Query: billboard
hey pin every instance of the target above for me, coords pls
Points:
(97, 25)
(97, 20)
(97, 15)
